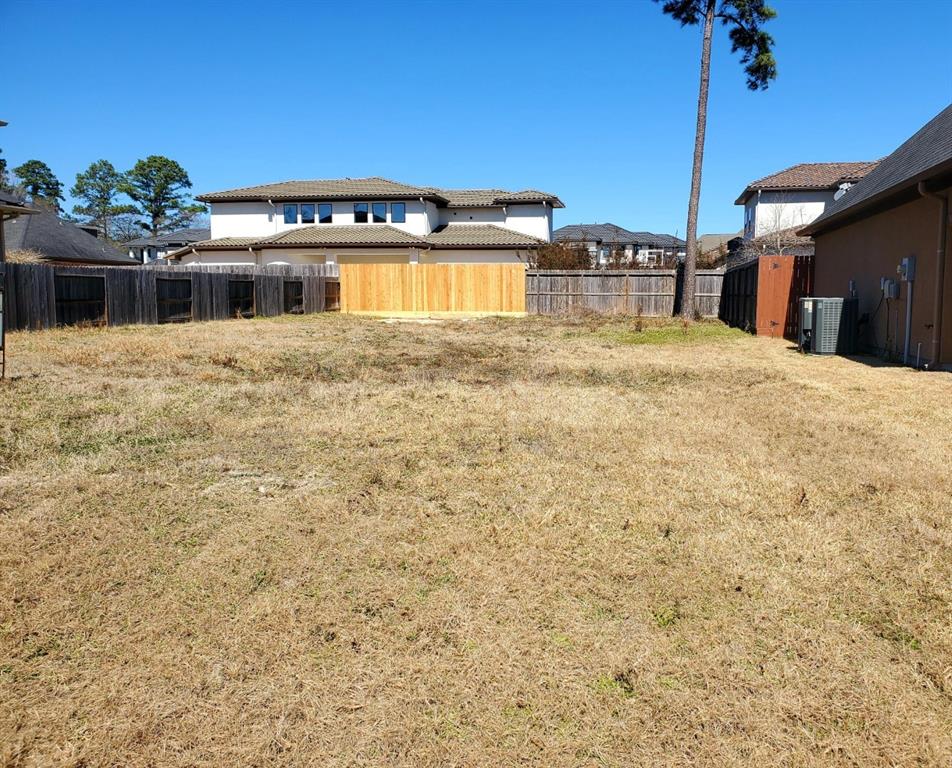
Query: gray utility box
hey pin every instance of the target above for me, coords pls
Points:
(828, 326)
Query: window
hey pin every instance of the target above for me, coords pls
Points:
(360, 213)
(241, 298)
(294, 297)
(380, 213)
(290, 213)
(398, 213)
(173, 299)
(325, 213)
(307, 213)
(80, 299)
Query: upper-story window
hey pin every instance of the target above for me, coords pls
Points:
(398, 213)
(325, 213)
(290, 213)
(307, 213)
(360, 213)
(380, 213)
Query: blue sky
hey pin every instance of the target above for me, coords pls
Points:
(594, 102)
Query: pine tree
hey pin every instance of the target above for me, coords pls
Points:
(745, 19)
(157, 186)
(98, 188)
(40, 183)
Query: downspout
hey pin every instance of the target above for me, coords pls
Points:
(255, 256)
(274, 214)
(939, 270)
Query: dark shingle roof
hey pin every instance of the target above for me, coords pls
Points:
(10, 204)
(614, 235)
(806, 176)
(376, 187)
(926, 154)
(53, 238)
(191, 235)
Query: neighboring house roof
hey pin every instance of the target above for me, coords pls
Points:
(712, 241)
(47, 234)
(924, 156)
(179, 236)
(374, 235)
(12, 205)
(375, 187)
(615, 235)
(808, 176)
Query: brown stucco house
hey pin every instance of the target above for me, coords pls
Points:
(900, 209)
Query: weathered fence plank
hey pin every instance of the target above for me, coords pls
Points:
(647, 292)
(131, 296)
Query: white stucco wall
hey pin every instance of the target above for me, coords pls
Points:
(260, 219)
(474, 256)
(772, 211)
(219, 258)
(534, 220)
(361, 256)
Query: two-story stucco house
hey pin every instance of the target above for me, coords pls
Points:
(796, 196)
(371, 220)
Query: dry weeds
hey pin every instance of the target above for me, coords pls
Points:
(337, 542)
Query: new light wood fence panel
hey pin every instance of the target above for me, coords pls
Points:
(424, 288)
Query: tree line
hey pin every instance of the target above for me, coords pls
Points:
(152, 197)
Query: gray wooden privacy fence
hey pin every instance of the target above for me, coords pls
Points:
(43, 296)
(647, 292)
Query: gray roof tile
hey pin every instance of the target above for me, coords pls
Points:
(376, 187)
(479, 236)
(321, 189)
(346, 234)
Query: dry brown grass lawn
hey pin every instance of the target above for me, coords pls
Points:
(333, 541)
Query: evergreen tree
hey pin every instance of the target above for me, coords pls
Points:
(744, 19)
(40, 183)
(98, 187)
(157, 186)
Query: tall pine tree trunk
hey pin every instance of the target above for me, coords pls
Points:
(690, 260)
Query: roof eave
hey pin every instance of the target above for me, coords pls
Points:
(284, 198)
(884, 200)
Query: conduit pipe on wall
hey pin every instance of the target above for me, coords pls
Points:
(939, 271)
